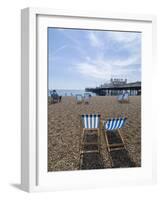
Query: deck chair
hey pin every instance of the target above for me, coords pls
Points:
(86, 98)
(120, 97)
(125, 97)
(79, 98)
(90, 141)
(90, 154)
(113, 138)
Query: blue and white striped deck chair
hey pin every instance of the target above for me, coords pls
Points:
(119, 97)
(125, 97)
(91, 121)
(112, 126)
(79, 98)
(91, 125)
(86, 98)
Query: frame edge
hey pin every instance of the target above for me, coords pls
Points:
(28, 100)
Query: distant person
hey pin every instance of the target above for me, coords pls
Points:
(60, 98)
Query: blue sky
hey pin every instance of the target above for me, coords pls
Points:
(88, 58)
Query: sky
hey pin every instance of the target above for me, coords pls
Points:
(87, 58)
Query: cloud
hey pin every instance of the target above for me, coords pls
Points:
(131, 60)
(59, 49)
(125, 41)
(102, 69)
(94, 71)
(122, 37)
(95, 41)
(124, 61)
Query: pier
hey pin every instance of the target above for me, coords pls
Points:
(117, 87)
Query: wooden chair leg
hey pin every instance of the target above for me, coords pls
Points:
(81, 161)
(108, 147)
(106, 139)
(121, 139)
(99, 141)
(83, 143)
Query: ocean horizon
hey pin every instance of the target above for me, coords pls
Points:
(70, 92)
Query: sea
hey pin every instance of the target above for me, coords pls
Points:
(71, 92)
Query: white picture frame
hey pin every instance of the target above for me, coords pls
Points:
(33, 175)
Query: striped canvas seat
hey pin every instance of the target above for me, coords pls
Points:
(86, 98)
(119, 98)
(126, 96)
(91, 121)
(115, 123)
(79, 98)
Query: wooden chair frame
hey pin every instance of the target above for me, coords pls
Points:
(82, 143)
(113, 147)
(92, 143)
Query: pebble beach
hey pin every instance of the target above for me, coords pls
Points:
(64, 129)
